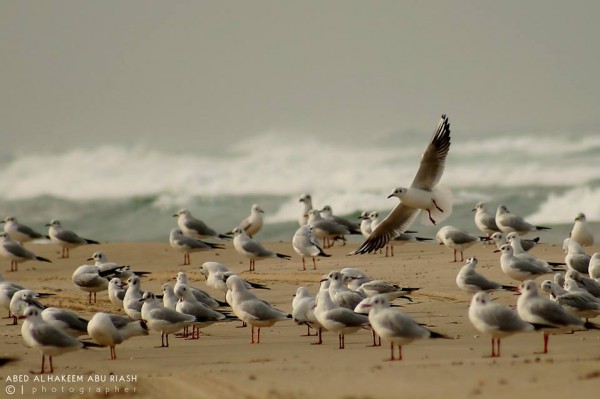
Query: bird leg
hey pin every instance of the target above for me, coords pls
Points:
(374, 339)
(436, 205)
(314, 263)
(392, 351)
(303, 264)
(454, 255)
(320, 341)
(252, 339)
(51, 366)
(258, 340)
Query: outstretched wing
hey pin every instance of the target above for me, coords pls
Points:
(434, 158)
(398, 221)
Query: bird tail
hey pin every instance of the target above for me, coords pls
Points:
(591, 326)
(258, 286)
(510, 288)
(214, 245)
(283, 256)
(423, 239)
(41, 259)
(542, 228)
(88, 241)
(134, 329)
(435, 334)
(224, 237)
(89, 344)
(444, 200)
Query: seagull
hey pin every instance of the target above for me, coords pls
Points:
(520, 269)
(162, 319)
(516, 243)
(7, 291)
(342, 295)
(327, 214)
(422, 194)
(594, 266)
(90, 279)
(582, 232)
(253, 223)
(307, 200)
(500, 239)
(485, 221)
(576, 257)
(395, 326)
(495, 319)
(192, 227)
(327, 229)
(131, 302)
(390, 290)
(16, 252)
(101, 261)
(20, 301)
(338, 319)
(111, 330)
(534, 308)
(305, 244)
(67, 321)
(169, 298)
(49, 340)
(507, 222)
(589, 284)
(66, 239)
(116, 292)
(188, 304)
(250, 309)
(187, 245)
(472, 282)
(252, 249)
(365, 224)
(216, 275)
(457, 240)
(303, 309)
(578, 301)
(200, 295)
(19, 232)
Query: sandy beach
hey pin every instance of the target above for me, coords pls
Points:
(223, 364)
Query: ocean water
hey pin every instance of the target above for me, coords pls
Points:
(118, 193)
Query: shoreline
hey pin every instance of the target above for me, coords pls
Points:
(224, 364)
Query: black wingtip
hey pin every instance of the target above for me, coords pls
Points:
(438, 335)
(88, 241)
(41, 259)
(283, 256)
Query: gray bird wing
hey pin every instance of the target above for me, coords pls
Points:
(434, 158)
(398, 221)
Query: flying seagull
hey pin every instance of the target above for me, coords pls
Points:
(422, 194)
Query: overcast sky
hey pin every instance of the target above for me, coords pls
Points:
(199, 74)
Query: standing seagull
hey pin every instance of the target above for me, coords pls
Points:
(395, 326)
(305, 244)
(472, 282)
(455, 239)
(495, 319)
(252, 249)
(534, 308)
(582, 232)
(111, 330)
(485, 221)
(252, 310)
(19, 232)
(507, 222)
(307, 200)
(192, 227)
(188, 245)
(253, 223)
(66, 239)
(422, 194)
(17, 253)
(49, 340)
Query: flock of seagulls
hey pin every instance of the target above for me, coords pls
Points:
(347, 300)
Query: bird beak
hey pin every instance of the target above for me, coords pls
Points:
(390, 196)
(90, 259)
(175, 215)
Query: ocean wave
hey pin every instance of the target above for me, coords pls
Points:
(563, 207)
(343, 174)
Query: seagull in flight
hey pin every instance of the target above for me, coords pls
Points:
(422, 194)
